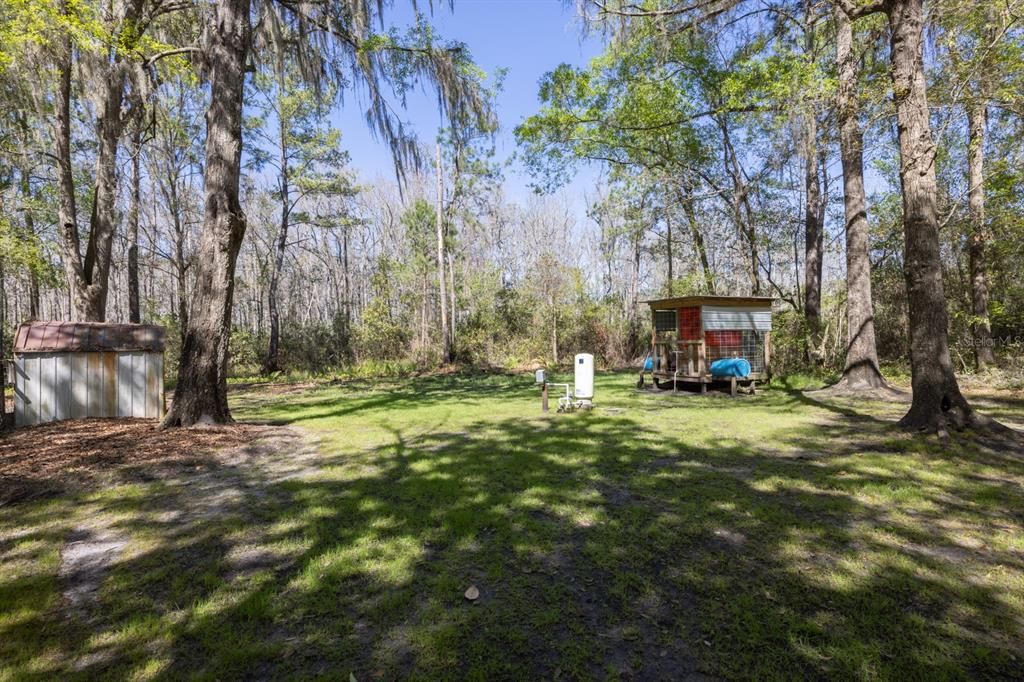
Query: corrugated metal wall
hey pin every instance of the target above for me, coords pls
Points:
(737, 317)
(52, 386)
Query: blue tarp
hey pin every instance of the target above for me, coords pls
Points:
(648, 364)
(730, 367)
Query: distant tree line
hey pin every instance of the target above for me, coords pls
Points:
(759, 118)
(859, 161)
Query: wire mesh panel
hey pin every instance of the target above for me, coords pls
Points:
(689, 323)
(735, 343)
(664, 320)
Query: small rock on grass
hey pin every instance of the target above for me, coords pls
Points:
(472, 594)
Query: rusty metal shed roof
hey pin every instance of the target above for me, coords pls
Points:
(86, 337)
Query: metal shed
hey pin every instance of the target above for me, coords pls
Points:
(72, 370)
(692, 332)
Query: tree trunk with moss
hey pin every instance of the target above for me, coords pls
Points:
(272, 361)
(88, 274)
(814, 238)
(937, 401)
(861, 369)
(977, 244)
(134, 308)
(201, 395)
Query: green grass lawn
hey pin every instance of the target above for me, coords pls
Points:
(657, 537)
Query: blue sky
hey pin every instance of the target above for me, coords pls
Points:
(526, 37)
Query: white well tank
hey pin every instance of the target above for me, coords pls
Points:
(584, 386)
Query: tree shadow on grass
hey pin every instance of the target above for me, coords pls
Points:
(597, 552)
(394, 395)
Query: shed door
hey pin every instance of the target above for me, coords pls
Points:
(139, 382)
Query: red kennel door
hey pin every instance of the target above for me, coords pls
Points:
(689, 323)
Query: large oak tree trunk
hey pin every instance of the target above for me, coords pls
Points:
(814, 209)
(452, 301)
(90, 293)
(89, 279)
(347, 279)
(978, 240)
(554, 336)
(201, 395)
(30, 229)
(861, 369)
(668, 251)
(634, 293)
(423, 312)
(67, 210)
(3, 351)
(181, 262)
(134, 312)
(937, 399)
(272, 362)
(814, 240)
(446, 342)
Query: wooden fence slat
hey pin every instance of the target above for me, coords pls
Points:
(47, 384)
(124, 384)
(152, 387)
(21, 402)
(62, 386)
(159, 402)
(94, 385)
(79, 385)
(139, 385)
(109, 401)
(36, 392)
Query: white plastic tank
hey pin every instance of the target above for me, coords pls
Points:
(584, 388)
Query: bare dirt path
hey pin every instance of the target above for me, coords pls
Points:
(205, 473)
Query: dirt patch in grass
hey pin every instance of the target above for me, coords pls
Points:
(84, 561)
(885, 393)
(49, 459)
